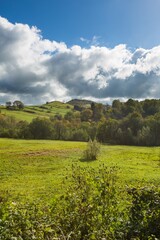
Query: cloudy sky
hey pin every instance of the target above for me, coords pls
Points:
(58, 50)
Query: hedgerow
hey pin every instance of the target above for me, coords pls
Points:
(93, 207)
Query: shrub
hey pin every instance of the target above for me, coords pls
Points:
(88, 210)
(24, 221)
(92, 151)
(90, 207)
(144, 214)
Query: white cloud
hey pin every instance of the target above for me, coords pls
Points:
(95, 41)
(85, 40)
(36, 70)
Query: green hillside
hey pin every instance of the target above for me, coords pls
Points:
(44, 110)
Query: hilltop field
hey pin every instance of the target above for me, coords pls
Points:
(28, 113)
(37, 168)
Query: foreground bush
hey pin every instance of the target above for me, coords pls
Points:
(144, 214)
(23, 221)
(91, 208)
(88, 210)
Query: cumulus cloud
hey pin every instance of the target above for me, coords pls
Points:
(35, 70)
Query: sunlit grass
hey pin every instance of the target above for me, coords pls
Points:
(45, 110)
(36, 169)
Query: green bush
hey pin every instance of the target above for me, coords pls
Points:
(24, 221)
(93, 208)
(92, 151)
(90, 207)
(144, 214)
(88, 210)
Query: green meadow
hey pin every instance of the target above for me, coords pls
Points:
(45, 110)
(40, 169)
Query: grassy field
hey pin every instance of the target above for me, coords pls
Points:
(36, 169)
(45, 110)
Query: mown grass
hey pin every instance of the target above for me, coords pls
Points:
(45, 110)
(36, 169)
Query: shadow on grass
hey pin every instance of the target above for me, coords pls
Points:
(87, 160)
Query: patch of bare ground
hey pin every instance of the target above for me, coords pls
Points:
(55, 153)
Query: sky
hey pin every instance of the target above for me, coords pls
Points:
(93, 49)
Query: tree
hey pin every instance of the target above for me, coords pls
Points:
(8, 104)
(78, 108)
(23, 131)
(57, 117)
(41, 128)
(151, 107)
(97, 111)
(102, 131)
(135, 122)
(18, 104)
(60, 129)
(69, 116)
(79, 135)
(130, 106)
(116, 104)
(144, 136)
(107, 131)
(86, 115)
(120, 136)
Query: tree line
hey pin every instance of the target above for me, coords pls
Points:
(130, 123)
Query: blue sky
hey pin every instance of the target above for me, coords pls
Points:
(131, 22)
(94, 49)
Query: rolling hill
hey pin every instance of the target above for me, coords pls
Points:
(45, 110)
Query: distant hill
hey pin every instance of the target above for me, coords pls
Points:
(80, 102)
(49, 109)
(45, 110)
